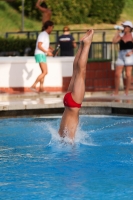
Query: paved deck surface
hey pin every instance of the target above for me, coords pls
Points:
(32, 100)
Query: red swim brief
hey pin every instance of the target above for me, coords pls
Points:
(69, 102)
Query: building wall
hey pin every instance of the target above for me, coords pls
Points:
(19, 73)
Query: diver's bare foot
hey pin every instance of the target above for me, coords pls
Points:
(86, 35)
(88, 39)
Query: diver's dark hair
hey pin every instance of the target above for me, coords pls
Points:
(44, 5)
(46, 25)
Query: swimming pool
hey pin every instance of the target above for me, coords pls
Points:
(35, 165)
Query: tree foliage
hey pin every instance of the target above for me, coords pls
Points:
(75, 11)
(107, 11)
(70, 11)
(29, 8)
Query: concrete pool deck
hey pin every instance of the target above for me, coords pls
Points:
(32, 103)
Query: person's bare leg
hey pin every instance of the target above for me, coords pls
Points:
(63, 130)
(118, 72)
(42, 81)
(41, 85)
(43, 67)
(70, 118)
(70, 87)
(128, 78)
(79, 83)
(75, 63)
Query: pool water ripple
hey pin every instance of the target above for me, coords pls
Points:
(36, 164)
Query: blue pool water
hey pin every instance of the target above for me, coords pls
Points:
(36, 165)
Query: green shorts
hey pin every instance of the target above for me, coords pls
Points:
(40, 58)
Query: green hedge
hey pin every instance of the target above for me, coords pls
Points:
(9, 45)
(19, 45)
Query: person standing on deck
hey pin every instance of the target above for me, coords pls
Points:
(43, 50)
(67, 43)
(125, 56)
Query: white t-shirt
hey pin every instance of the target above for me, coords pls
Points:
(44, 38)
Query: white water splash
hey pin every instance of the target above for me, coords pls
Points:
(81, 137)
(131, 140)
